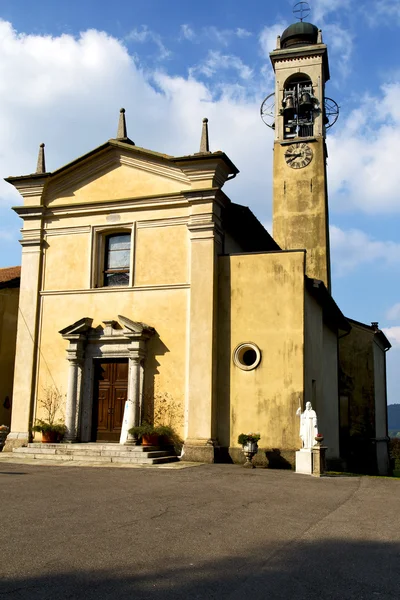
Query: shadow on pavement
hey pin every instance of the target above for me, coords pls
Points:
(336, 569)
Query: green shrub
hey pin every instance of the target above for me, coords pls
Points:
(248, 437)
(44, 427)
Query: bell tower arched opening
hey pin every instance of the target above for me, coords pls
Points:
(298, 105)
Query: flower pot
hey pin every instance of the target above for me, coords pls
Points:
(250, 449)
(150, 439)
(50, 437)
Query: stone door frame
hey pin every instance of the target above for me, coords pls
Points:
(118, 339)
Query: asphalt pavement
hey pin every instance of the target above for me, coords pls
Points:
(211, 531)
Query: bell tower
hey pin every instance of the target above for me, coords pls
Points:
(300, 205)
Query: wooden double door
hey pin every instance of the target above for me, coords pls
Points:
(110, 393)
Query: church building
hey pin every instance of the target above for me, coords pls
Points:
(141, 281)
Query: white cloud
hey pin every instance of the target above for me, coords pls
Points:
(39, 79)
(352, 248)
(340, 43)
(268, 35)
(216, 61)
(243, 33)
(363, 159)
(187, 32)
(393, 335)
(146, 35)
(224, 36)
(393, 314)
(322, 8)
(386, 10)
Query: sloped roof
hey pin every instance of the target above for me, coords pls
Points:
(374, 329)
(123, 145)
(10, 276)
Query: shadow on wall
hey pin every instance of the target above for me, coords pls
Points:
(224, 362)
(308, 570)
(155, 347)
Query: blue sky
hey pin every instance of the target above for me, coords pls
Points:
(67, 67)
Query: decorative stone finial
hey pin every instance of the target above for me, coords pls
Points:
(204, 144)
(121, 133)
(41, 163)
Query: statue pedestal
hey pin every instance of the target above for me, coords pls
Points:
(304, 461)
(319, 464)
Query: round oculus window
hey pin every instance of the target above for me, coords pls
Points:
(247, 356)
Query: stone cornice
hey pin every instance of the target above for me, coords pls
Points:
(31, 237)
(29, 212)
(117, 290)
(124, 204)
(295, 53)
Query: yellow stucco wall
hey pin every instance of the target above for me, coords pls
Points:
(104, 182)
(261, 300)
(161, 255)
(163, 309)
(8, 336)
(300, 217)
(172, 283)
(67, 262)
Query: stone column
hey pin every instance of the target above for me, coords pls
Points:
(133, 415)
(27, 336)
(141, 390)
(71, 409)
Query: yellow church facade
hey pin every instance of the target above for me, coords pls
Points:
(142, 281)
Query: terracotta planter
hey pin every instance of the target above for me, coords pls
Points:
(150, 439)
(50, 437)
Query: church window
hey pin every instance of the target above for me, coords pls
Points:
(117, 259)
(298, 107)
(247, 356)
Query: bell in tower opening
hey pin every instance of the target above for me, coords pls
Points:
(298, 107)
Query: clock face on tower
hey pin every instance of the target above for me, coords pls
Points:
(298, 156)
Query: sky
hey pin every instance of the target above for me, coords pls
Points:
(66, 68)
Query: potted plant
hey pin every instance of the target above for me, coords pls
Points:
(249, 443)
(52, 429)
(152, 435)
(52, 433)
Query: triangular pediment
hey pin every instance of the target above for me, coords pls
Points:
(77, 328)
(114, 172)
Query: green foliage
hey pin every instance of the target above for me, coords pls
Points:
(44, 427)
(52, 401)
(248, 437)
(394, 448)
(148, 429)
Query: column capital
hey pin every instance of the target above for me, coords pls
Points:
(137, 354)
(75, 358)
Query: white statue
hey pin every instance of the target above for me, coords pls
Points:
(308, 425)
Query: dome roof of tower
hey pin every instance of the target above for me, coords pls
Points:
(299, 34)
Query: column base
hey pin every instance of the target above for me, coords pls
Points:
(204, 451)
(16, 440)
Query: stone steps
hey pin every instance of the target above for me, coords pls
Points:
(100, 453)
